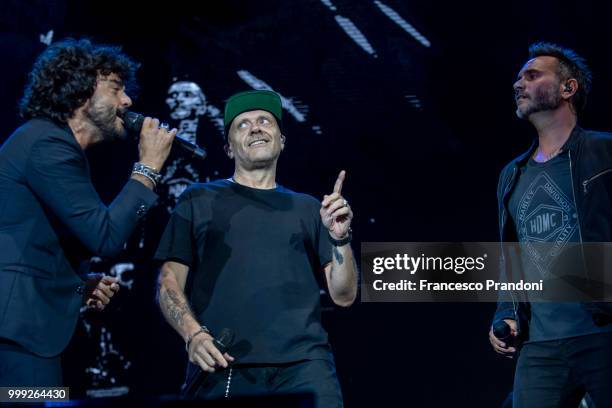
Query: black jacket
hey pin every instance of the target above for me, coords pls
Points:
(46, 194)
(590, 156)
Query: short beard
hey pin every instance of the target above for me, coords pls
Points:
(543, 100)
(104, 117)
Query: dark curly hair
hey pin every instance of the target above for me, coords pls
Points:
(64, 77)
(571, 65)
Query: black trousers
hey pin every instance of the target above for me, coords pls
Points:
(19, 367)
(558, 373)
(316, 377)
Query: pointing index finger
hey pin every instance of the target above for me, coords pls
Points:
(339, 181)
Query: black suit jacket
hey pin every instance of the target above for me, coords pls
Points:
(46, 190)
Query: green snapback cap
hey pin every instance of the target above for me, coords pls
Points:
(252, 100)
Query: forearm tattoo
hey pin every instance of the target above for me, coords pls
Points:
(172, 303)
(338, 256)
(174, 306)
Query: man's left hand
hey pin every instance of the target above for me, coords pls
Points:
(99, 289)
(336, 213)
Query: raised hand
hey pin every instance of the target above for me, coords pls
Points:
(155, 143)
(336, 213)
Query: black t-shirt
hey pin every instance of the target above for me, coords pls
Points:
(255, 258)
(544, 213)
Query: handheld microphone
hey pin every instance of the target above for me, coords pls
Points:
(222, 342)
(133, 122)
(502, 331)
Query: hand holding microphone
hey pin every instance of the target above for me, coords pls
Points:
(135, 122)
(503, 337)
(208, 352)
(154, 143)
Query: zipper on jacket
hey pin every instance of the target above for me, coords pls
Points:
(569, 155)
(506, 189)
(587, 181)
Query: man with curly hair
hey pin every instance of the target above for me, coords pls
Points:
(563, 179)
(75, 97)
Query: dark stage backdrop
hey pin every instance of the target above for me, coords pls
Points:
(412, 98)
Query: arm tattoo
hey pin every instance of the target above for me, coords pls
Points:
(174, 306)
(338, 256)
(172, 303)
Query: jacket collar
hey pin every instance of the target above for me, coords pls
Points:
(574, 139)
(572, 143)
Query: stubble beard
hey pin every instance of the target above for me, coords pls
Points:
(545, 99)
(104, 118)
(263, 162)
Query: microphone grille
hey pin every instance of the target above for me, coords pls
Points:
(501, 329)
(133, 121)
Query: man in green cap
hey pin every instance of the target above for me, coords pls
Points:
(252, 251)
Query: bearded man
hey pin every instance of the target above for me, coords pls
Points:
(565, 178)
(75, 98)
